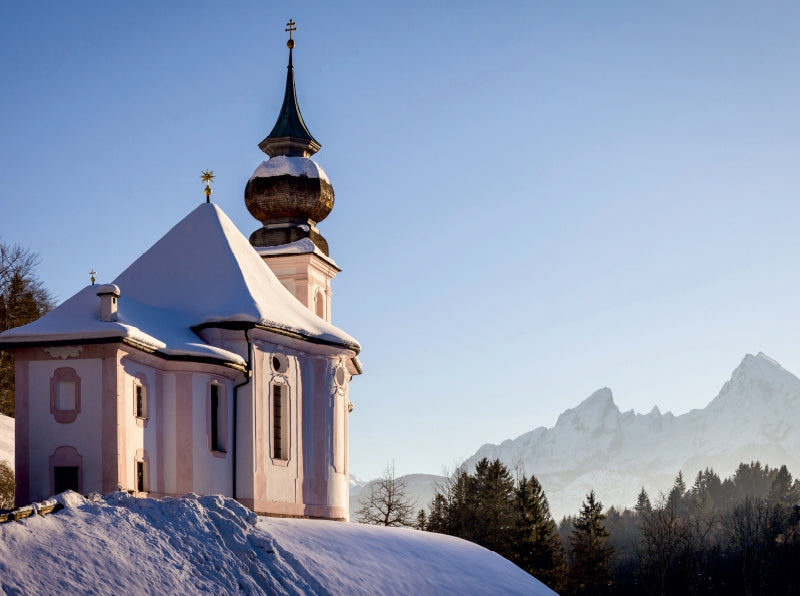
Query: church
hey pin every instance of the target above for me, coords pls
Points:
(209, 365)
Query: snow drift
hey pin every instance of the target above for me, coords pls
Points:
(212, 544)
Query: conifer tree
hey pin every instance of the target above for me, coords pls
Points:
(537, 546)
(783, 489)
(643, 502)
(590, 553)
(677, 493)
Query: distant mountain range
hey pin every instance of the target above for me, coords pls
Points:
(756, 416)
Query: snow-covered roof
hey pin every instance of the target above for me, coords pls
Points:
(298, 247)
(202, 272)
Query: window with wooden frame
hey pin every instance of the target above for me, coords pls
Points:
(280, 422)
(141, 397)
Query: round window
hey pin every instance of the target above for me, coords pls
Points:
(280, 363)
(341, 376)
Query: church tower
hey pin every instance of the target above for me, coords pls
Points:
(289, 194)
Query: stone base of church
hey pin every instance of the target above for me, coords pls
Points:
(295, 510)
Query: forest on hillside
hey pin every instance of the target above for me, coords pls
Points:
(738, 535)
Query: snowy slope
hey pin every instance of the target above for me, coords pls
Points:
(191, 545)
(756, 416)
(7, 440)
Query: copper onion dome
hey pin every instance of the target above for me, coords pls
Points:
(289, 193)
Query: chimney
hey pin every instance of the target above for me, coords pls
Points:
(108, 302)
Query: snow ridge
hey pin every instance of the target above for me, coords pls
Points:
(212, 544)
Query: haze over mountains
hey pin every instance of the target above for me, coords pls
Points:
(755, 416)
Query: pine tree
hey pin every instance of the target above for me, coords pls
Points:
(643, 502)
(783, 489)
(492, 499)
(537, 546)
(590, 554)
(677, 493)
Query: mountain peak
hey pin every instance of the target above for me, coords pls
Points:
(759, 366)
(592, 411)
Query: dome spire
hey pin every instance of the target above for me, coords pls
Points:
(290, 136)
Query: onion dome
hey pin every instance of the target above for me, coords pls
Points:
(289, 193)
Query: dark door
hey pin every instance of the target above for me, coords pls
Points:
(65, 478)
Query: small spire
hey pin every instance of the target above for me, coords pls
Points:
(207, 177)
(92, 273)
(290, 136)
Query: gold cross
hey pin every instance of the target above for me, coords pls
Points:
(93, 273)
(290, 28)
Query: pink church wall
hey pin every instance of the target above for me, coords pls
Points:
(108, 438)
(39, 420)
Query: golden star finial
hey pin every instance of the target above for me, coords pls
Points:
(207, 177)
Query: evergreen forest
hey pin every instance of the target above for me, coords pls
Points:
(738, 535)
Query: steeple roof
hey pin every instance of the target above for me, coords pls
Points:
(290, 136)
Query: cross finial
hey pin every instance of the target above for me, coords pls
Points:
(207, 177)
(290, 28)
(92, 273)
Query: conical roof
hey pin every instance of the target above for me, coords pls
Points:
(290, 136)
(207, 269)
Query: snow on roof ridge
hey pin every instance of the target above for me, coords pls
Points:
(205, 267)
(283, 165)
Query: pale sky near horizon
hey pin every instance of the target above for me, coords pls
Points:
(534, 200)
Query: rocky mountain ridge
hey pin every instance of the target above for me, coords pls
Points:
(755, 416)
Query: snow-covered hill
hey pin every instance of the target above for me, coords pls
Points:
(756, 416)
(7, 440)
(213, 545)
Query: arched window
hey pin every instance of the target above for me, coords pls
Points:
(319, 304)
(217, 417)
(280, 421)
(141, 397)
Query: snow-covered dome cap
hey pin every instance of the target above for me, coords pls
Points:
(289, 193)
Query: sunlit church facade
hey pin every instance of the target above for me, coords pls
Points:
(210, 365)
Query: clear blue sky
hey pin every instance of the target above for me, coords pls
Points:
(533, 199)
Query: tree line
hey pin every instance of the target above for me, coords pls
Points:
(738, 535)
(23, 298)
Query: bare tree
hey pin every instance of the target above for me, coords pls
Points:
(23, 298)
(387, 503)
(7, 486)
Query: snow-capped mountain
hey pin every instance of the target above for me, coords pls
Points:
(756, 416)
